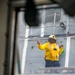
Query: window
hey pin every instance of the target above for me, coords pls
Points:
(30, 59)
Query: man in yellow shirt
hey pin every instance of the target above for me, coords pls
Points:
(52, 51)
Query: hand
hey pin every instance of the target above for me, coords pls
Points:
(38, 42)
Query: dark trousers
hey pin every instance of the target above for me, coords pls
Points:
(49, 63)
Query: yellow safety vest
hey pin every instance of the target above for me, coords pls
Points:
(52, 51)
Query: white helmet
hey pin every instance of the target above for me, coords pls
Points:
(52, 36)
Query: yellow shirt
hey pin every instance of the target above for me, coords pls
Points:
(50, 53)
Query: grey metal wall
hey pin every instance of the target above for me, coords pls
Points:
(34, 56)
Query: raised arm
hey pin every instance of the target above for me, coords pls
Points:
(40, 46)
(61, 49)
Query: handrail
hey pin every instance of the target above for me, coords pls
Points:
(58, 68)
